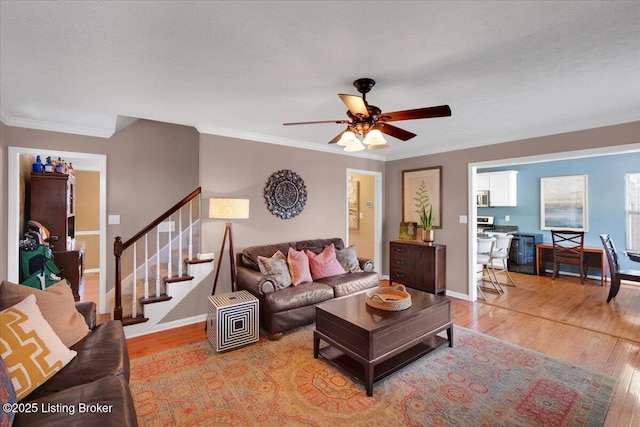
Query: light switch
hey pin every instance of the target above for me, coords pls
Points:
(114, 219)
(507, 218)
(463, 219)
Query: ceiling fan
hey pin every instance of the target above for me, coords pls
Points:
(365, 118)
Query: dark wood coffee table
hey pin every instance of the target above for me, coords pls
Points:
(370, 344)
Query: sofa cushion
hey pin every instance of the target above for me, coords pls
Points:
(348, 284)
(298, 263)
(294, 297)
(348, 259)
(101, 353)
(317, 245)
(250, 255)
(112, 394)
(276, 267)
(56, 304)
(7, 395)
(29, 346)
(324, 264)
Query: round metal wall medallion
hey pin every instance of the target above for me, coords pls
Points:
(285, 194)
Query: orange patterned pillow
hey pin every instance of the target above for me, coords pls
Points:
(31, 350)
(298, 267)
(325, 264)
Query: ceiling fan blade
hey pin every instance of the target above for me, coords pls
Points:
(338, 122)
(394, 131)
(418, 113)
(355, 104)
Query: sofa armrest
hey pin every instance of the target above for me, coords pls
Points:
(254, 281)
(366, 264)
(88, 310)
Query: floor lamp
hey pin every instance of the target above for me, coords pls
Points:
(228, 209)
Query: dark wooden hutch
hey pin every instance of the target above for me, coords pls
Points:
(53, 204)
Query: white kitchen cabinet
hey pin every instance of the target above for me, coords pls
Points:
(502, 186)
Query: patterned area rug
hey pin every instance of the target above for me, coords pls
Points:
(481, 381)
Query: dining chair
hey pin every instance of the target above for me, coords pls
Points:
(617, 273)
(500, 255)
(484, 251)
(568, 248)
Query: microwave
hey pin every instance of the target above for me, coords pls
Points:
(482, 199)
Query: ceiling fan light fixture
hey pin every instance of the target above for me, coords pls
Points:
(348, 138)
(356, 146)
(374, 137)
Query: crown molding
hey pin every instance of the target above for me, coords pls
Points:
(9, 120)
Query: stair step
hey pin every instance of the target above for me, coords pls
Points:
(198, 261)
(134, 320)
(177, 279)
(152, 300)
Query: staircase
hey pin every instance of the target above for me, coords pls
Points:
(160, 268)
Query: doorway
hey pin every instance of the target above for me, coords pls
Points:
(81, 162)
(472, 185)
(364, 214)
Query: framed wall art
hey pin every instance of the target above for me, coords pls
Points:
(354, 204)
(563, 203)
(422, 184)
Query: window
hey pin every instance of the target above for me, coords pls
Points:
(633, 211)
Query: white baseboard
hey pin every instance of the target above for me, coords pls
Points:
(169, 325)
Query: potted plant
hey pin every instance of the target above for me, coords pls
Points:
(426, 219)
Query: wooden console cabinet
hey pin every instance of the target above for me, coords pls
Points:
(418, 265)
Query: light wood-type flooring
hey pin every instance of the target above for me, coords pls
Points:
(560, 318)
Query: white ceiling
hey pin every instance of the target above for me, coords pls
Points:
(509, 70)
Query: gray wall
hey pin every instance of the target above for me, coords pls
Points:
(455, 185)
(150, 167)
(153, 165)
(237, 168)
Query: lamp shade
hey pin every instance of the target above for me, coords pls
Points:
(374, 137)
(357, 146)
(347, 138)
(229, 208)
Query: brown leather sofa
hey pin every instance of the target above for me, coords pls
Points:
(95, 383)
(292, 307)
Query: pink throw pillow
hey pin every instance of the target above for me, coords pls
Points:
(324, 264)
(298, 267)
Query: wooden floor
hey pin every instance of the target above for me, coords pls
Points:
(560, 318)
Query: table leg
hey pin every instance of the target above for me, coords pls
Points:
(450, 335)
(316, 344)
(368, 378)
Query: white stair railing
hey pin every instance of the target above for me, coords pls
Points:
(162, 256)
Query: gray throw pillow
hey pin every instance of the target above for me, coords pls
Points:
(348, 259)
(277, 269)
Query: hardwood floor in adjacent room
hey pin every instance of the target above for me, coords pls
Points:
(560, 318)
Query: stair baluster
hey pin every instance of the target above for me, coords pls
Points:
(180, 243)
(146, 266)
(157, 261)
(134, 301)
(170, 254)
(191, 229)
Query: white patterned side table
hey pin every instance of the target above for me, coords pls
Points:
(232, 320)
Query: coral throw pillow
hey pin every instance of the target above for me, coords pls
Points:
(325, 263)
(277, 268)
(31, 350)
(298, 267)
